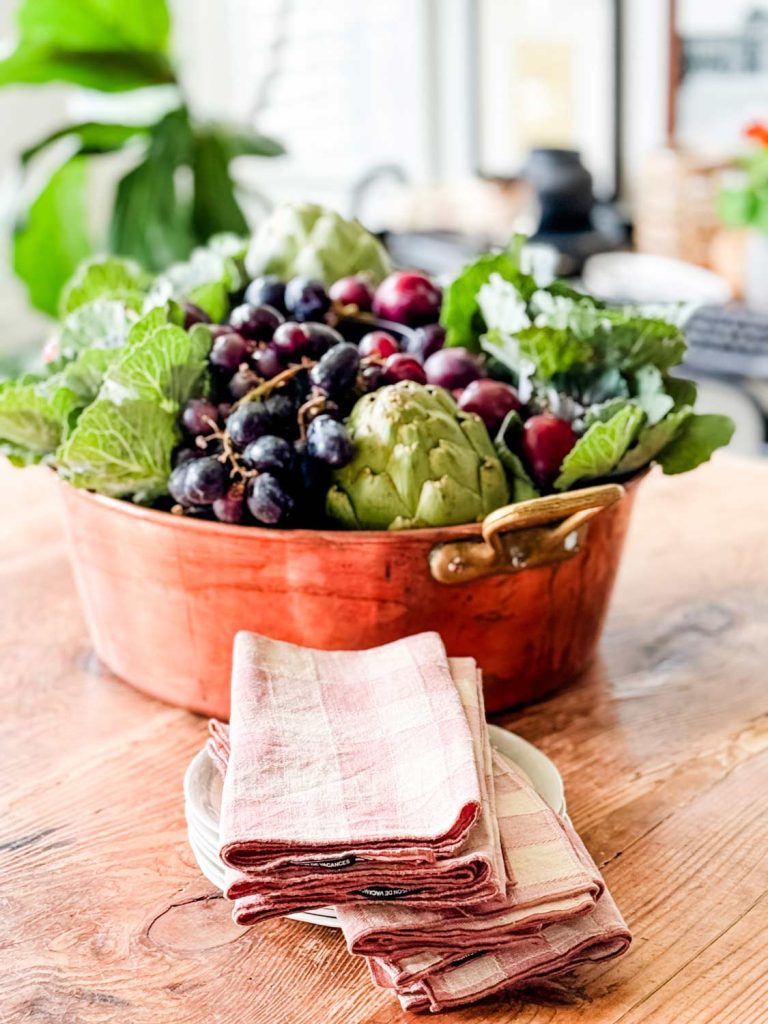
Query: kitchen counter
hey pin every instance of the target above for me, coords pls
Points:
(663, 746)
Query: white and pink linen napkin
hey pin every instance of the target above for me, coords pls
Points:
(353, 777)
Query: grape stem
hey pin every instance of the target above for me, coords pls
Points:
(267, 386)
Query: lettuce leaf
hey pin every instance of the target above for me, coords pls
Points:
(206, 279)
(123, 441)
(34, 416)
(694, 443)
(652, 439)
(461, 314)
(600, 449)
(651, 393)
(121, 450)
(102, 323)
(110, 277)
(631, 342)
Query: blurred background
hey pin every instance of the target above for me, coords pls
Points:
(625, 137)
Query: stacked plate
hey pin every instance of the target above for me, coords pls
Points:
(202, 799)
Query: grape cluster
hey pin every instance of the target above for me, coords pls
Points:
(285, 372)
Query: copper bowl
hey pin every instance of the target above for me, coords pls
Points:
(525, 592)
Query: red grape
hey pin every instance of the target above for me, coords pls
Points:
(229, 509)
(352, 291)
(229, 350)
(407, 297)
(452, 368)
(491, 400)
(194, 315)
(199, 417)
(546, 441)
(378, 343)
(426, 341)
(401, 366)
(267, 362)
(292, 341)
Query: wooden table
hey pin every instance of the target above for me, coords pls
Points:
(104, 916)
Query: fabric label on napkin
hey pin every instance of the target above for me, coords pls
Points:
(333, 865)
(385, 892)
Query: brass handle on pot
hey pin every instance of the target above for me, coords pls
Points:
(533, 533)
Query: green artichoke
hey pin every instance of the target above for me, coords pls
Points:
(419, 461)
(312, 241)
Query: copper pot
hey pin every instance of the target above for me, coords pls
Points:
(525, 592)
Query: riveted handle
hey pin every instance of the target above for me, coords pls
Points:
(523, 536)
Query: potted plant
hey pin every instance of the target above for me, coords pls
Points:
(744, 204)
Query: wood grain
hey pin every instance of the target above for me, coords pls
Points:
(104, 916)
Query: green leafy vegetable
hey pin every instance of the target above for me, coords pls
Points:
(598, 451)
(461, 315)
(683, 391)
(102, 323)
(632, 342)
(34, 416)
(107, 277)
(695, 442)
(123, 441)
(651, 394)
(652, 439)
(206, 279)
(604, 411)
(121, 449)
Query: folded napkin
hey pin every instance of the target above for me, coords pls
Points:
(551, 877)
(351, 776)
(555, 916)
(535, 957)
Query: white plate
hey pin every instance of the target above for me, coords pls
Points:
(202, 795)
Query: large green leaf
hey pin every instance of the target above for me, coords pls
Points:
(95, 25)
(652, 439)
(34, 415)
(52, 238)
(151, 220)
(107, 70)
(91, 136)
(215, 207)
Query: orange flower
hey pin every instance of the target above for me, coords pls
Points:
(758, 132)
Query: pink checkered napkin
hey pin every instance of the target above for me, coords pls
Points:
(352, 776)
(473, 874)
(536, 957)
(552, 878)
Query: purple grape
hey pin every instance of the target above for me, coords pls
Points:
(321, 338)
(267, 362)
(282, 410)
(206, 480)
(225, 408)
(258, 323)
(325, 408)
(177, 483)
(452, 368)
(194, 315)
(373, 378)
(306, 299)
(229, 509)
(292, 341)
(199, 417)
(378, 343)
(217, 330)
(336, 371)
(425, 342)
(402, 366)
(184, 455)
(329, 442)
(229, 351)
(268, 290)
(242, 382)
(250, 421)
(269, 454)
(268, 500)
